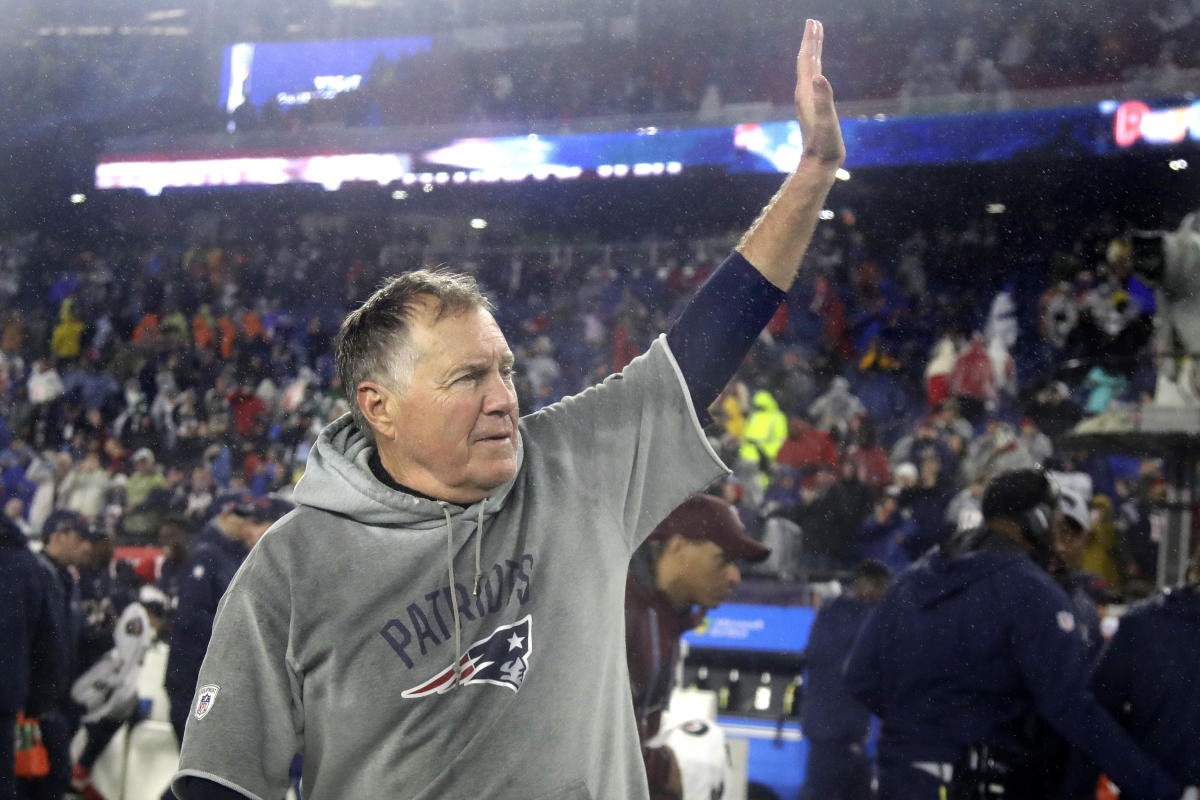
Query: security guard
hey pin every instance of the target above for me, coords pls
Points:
(972, 651)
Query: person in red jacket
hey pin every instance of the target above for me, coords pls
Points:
(972, 380)
(687, 566)
(806, 446)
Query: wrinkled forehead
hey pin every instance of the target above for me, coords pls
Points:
(468, 335)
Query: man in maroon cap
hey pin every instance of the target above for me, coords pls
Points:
(687, 566)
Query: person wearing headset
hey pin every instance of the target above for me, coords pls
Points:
(975, 663)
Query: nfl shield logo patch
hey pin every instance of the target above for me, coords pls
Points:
(205, 697)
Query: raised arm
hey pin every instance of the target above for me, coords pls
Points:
(720, 323)
(776, 242)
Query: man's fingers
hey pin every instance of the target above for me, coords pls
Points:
(808, 61)
(819, 35)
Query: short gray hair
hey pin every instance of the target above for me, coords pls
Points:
(374, 343)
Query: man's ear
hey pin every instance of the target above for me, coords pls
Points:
(375, 402)
(675, 543)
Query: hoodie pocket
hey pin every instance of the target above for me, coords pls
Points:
(572, 791)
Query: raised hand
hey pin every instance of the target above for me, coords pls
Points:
(819, 128)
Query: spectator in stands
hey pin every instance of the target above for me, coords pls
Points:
(872, 460)
(834, 410)
(806, 447)
(1036, 443)
(1052, 409)
(144, 479)
(883, 535)
(1104, 554)
(48, 474)
(972, 380)
(937, 371)
(85, 488)
(927, 502)
(996, 450)
(766, 430)
(923, 443)
(849, 501)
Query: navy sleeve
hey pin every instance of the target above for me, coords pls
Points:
(719, 325)
(1053, 658)
(202, 789)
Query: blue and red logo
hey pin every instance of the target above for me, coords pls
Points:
(501, 659)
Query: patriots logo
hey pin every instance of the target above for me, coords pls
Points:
(501, 659)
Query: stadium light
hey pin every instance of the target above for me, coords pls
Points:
(826, 214)
(427, 188)
(78, 198)
(399, 194)
(842, 175)
(1178, 164)
(478, 223)
(995, 208)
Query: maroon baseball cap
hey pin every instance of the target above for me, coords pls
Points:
(706, 517)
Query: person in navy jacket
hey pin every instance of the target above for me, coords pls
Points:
(1147, 678)
(973, 650)
(33, 648)
(834, 723)
(214, 555)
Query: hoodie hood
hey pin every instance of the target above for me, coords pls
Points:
(338, 479)
(764, 401)
(938, 577)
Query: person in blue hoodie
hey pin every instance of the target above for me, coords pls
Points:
(834, 723)
(1147, 679)
(973, 651)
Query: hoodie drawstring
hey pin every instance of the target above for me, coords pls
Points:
(458, 654)
(478, 547)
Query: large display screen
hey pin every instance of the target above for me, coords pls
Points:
(1072, 132)
(295, 73)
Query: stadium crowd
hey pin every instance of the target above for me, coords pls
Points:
(139, 381)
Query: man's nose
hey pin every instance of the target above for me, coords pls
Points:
(501, 396)
(735, 574)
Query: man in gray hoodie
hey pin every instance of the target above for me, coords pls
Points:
(442, 615)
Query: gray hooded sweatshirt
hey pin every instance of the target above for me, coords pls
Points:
(353, 633)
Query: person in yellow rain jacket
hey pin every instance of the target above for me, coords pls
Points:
(64, 341)
(766, 429)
